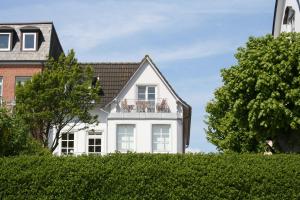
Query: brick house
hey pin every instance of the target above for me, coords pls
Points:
(24, 48)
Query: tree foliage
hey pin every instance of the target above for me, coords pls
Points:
(59, 97)
(15, 138)
(260, 96)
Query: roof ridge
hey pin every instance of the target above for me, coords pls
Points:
(87, 63)
(25, 23)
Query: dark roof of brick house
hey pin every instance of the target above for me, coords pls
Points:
(113, 77)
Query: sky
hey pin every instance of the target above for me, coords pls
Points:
(189, 40)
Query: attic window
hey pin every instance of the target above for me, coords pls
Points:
(5, 41)
(29, 41)
(289, 16)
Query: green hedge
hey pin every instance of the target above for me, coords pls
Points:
(145, 176)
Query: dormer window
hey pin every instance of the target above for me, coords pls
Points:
(289, 19)
(29, 41)
(5, 41)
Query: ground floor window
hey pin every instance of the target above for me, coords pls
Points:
(125, 137)
(161, 142)
(67, 143)
(94, 142)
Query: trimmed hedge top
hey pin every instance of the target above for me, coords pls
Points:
(146, 176)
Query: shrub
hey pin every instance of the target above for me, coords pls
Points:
(145, 176)
(15, 138)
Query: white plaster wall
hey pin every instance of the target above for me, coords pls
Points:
(143, 134)
(147, 76)
(81, 134)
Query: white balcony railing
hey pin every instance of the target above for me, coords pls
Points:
(144, 106)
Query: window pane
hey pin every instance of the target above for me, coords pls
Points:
(29, 41)
(22, 80)
(4, 40)
(142, 92)
(71, 144)
(91, 149)
(71, 136)
(151, 96)
(64, 144)
(98, 149)
(151, 90)
(91, 141)
(64, 136)
(98, 141)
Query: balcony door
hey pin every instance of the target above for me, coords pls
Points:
(146, 99)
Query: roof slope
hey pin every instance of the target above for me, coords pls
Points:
(113, 77)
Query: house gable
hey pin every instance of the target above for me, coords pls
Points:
(149, 74)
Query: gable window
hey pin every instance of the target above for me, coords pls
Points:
(125, 137)
(21, 80)
(67, 143)
(5, 41)
(94, 142)
(146, 99)
(29, 41)
(161, 138)
(289, 19)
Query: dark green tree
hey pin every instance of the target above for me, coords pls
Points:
(15, 138)
(260, 96)
(59, 97)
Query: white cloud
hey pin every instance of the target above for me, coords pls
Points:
(198, 49)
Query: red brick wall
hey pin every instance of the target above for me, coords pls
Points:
(9, 74)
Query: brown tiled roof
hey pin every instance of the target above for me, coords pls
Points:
(113, 77)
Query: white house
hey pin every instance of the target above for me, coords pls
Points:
(139, 112)
(286, 16)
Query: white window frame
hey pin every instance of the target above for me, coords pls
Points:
(26, 78)
(146, 92)
(134, 139)
(67, 140)
(9, 41)
(170, 138)
(34, 44)
(95, 136)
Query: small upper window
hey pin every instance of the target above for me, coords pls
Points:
(5, 41)
(29, 41)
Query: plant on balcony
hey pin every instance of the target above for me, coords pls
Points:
(162, 106)
(142, 105)
(126, 107)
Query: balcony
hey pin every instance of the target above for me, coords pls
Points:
(143, 109)
(144, 106)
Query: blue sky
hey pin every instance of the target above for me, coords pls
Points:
(189, 40)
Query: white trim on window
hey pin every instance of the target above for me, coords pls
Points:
(128, 139)
(67, 145)
(9, 42)
(165, 150)
(95, 136)
(34, 41)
